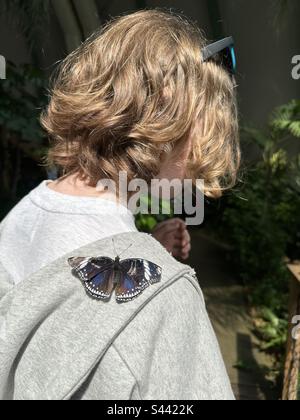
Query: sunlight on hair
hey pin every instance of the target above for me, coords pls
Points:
(134, 90)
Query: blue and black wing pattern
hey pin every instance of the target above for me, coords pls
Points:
(97, 275)
(136, 275)
(129, 277)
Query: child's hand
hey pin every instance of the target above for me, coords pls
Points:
(174, 236)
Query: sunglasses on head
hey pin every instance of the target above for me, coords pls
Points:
(223, 53)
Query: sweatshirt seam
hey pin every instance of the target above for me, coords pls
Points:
(79, 213)
(6, 273)
(128, 368)
(195, 283)
(67, 200)
(36, 224)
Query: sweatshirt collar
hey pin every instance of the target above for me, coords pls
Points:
(56, 202)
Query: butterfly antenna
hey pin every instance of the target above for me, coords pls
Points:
(123, 252)
(113, 241)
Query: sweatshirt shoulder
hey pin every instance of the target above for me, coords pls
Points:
(180, 301)
(176, 352)
(16, 232)
(182, 294)
(21, 217)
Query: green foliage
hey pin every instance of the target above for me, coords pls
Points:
(147, 222)
(287, 119)
(261, 222)
(243, 366)
(22, 97)
(273, 331)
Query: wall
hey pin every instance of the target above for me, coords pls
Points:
(264, 53)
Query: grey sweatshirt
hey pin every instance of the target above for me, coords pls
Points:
(57, 343)
(48, 224)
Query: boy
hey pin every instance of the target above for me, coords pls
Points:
(136, 97)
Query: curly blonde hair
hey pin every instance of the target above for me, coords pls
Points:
(134, 90)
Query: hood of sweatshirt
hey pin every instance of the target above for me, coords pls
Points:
(52, 334)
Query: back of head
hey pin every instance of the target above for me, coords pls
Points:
(132, 92)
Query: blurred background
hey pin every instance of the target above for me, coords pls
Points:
(247, 250)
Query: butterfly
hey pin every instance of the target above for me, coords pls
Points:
(102, 275)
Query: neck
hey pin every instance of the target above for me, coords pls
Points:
(76, 186)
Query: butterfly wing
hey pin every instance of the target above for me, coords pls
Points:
(136, 275)
(96, 274)
(127, 288)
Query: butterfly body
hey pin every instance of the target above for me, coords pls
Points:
(117, 269)
(102, 275)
